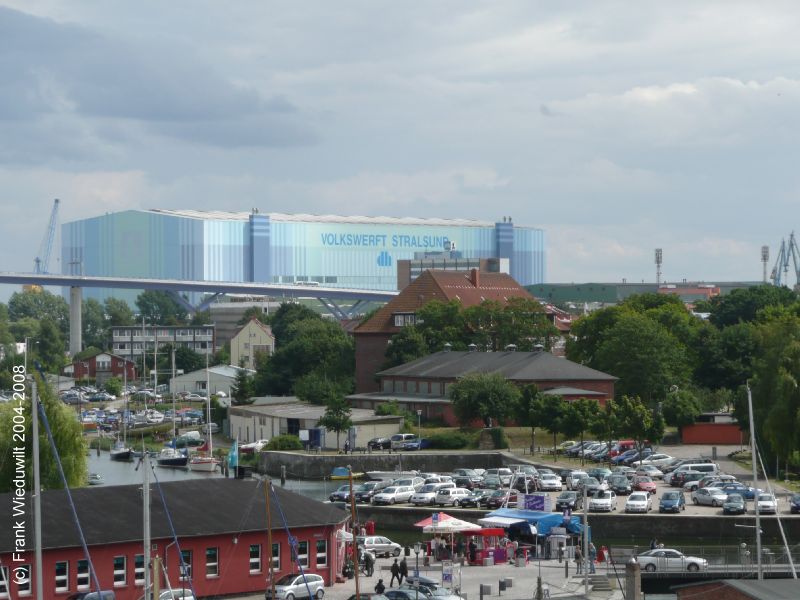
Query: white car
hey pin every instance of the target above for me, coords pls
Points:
(550, 482)
(709, 496)
(396, 494)
(427, 494)
(638, 502)
(767, 504)
(294, 586)
(651, 471)
(654, 459)
(379, 545)
(503, 473)
(574, 478)
(451, 496)
(603, 501)
(665, 559)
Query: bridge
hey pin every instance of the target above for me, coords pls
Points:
(328, 296)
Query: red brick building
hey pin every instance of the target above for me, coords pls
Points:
(740, 589)
(424, 384)
(470, 289)
(101, 367)
(220, 526)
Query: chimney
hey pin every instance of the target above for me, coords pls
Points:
(475, 278)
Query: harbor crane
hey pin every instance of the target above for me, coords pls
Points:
(42, 261)
(788, 253)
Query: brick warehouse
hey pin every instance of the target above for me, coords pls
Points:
(220, 525)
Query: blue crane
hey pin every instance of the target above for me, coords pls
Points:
(42, 260)
(787, 253)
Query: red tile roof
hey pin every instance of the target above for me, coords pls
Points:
(444, 286)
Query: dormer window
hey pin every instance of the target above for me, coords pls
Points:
(403, 319)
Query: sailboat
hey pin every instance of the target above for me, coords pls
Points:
(121, 451)
(204, 461)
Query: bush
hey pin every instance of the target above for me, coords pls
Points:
(285, 442)
(449, 441)
(499, 438)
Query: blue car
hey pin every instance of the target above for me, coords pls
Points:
(672, 501)
(617, 460)
(738, 488)
(794, 504)
(418, 444)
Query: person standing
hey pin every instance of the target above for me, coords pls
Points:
(592, 557)
(403, 570)
(347, 446)
(395, 570)
(579, 559)
(653, 544)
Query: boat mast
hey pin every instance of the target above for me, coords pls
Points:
(267, 490)
(125, 393)
(37, 490)
(754, 459)
(208, 422)
(353, 519)
(174, 415)
(146, 517)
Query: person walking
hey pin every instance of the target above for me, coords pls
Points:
(379, 587)
(403, 570)
(592, 557)
(347, 446)
(653, 544)
(395, 570)
(579, 560)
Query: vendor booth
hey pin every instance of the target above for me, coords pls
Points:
(542, 534)
(487, 547)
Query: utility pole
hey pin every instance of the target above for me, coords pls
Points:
(764, 260)
(37, 489)
(659, 259)
(585, 542)
(754, 460)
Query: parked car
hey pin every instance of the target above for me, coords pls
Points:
(599, 473)
(549, 482)
(603, 501)
(340, 494)
(564, 474)
(672, 501)
(471, 473)
(293, 586)
(451, 496)
(747, 492)
(477, 498)
(463, 481)
(415, 482)
(417, 444)
(396, 494)
(794, 504)
(524, 482)
(492, 482)
(709, 496)
(643, 483)
(666, 559)
(569, 500)
(209, 426)
(639, 502)
(619, 484)
(651, 471)
(379, 545)
(767, 504)
(194, 398)
(365, 491)
(657, 459)
(503, 473)
(734, 505)
(379, 443)
(407, 593)
(502, 498)
(398, 440)
(679, 478)
(574, 478)
(427, 495)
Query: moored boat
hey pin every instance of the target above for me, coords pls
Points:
(204, 461)
(169, 457)
(95, 479)
(120, 451)
(344, 473)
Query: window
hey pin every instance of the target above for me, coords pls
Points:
(212, 562)
(120, 575)
(403, 319)
(322, 553)
(255, 558)
(276, 556)
(62, 576)
(83, 574)
(138, 569)
(302, 554)
(247, 345)
(185, 568)
(23, 580)
(3, 582)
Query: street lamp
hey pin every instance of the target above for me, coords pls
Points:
(419, 427)
(417, 548)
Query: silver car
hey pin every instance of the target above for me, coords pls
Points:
(709, 496)
(396, 494)
(379, 545)
(664, 559)
(294, 586)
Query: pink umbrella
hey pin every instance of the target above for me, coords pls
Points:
(429, 521)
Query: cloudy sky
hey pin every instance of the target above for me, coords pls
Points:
(618, 127)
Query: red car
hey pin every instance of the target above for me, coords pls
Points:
(644, 484)
(502, 497)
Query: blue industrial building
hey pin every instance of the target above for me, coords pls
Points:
(331, 251)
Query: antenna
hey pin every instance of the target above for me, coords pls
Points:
(659, 257)
(764, 260)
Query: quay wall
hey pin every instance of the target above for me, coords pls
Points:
(313, 466)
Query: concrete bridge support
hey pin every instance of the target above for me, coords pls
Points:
(75, 324)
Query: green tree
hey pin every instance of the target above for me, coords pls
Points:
(681, 408)
(67, 435)
(520, 321)
(187, 360)
(285, 317)
(442, 323)
(26, 327)
(114, 386)
(160, 308)
(93, 321)
(40, 305)
(254, 312)
(484, 396)
(606, 425)
(242, 390)
(318, 389)
(404, 347)
(201, 317)
(50, 349)
(743, 305)
(118, 313)
(638, 422)
(336, 417)
(579, 416)
(726, 355)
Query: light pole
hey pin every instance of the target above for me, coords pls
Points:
(419, 426)
(417, 548)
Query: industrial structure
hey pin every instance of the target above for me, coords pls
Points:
(275, 248)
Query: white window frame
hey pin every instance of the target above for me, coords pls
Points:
(185, 574)
(212, 565)
(276, 556)
(4, 581)
(138, 571)
(321, 557)
(302, 558)
(255, 561)
(62, 579)
(123, 572)
(82, 575)
(24, 589)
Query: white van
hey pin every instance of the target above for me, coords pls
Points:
(399, 439)
(451, 496)
(707, 468)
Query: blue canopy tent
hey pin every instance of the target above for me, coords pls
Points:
(543, 521)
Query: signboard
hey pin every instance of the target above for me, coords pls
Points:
(303, 435)
(447, 573)
(435, 519)
(541, 502)
(558, 531)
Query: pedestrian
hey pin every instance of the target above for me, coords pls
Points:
(579, 559)
(369, 563)
(653, 544)
(346, 446)
(592, 557)
(395, 570)
(473, 550)
(403, 570)
(379, 587)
